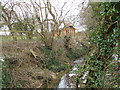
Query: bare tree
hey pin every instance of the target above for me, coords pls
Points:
(9, 17)
(41, 17)
(48, 21)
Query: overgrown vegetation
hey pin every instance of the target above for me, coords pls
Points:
(53, 63)
(103, 58)
(6, 78)
(48, 64)
(36, 55)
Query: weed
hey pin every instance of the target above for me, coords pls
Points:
(6, 77)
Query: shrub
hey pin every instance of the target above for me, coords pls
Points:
(6, 77)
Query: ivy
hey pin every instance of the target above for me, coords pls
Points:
(105, 39)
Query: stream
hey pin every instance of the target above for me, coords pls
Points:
(66, 81)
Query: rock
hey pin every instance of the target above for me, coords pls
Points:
(84, 76)
(85, 81)
(78, 61)
(75, 68)
(108, 74)
(1, 59)
(71, 75)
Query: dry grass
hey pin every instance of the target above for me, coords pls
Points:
(24, 69)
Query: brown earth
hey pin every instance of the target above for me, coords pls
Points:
(24, 69)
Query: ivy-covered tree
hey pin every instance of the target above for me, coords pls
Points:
(102, 61)
(105, 41)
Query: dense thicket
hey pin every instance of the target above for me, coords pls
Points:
(105, 46)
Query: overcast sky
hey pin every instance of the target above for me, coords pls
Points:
(73, 5)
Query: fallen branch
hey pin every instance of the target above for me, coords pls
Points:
(36, 56)
(33, 53)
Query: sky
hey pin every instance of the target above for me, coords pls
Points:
(73, 6)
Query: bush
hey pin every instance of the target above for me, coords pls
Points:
(52, 62)
(6, 77)
(105, 43)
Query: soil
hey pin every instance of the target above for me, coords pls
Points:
(24, 69)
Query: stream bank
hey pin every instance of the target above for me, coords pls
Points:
(67, 80)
